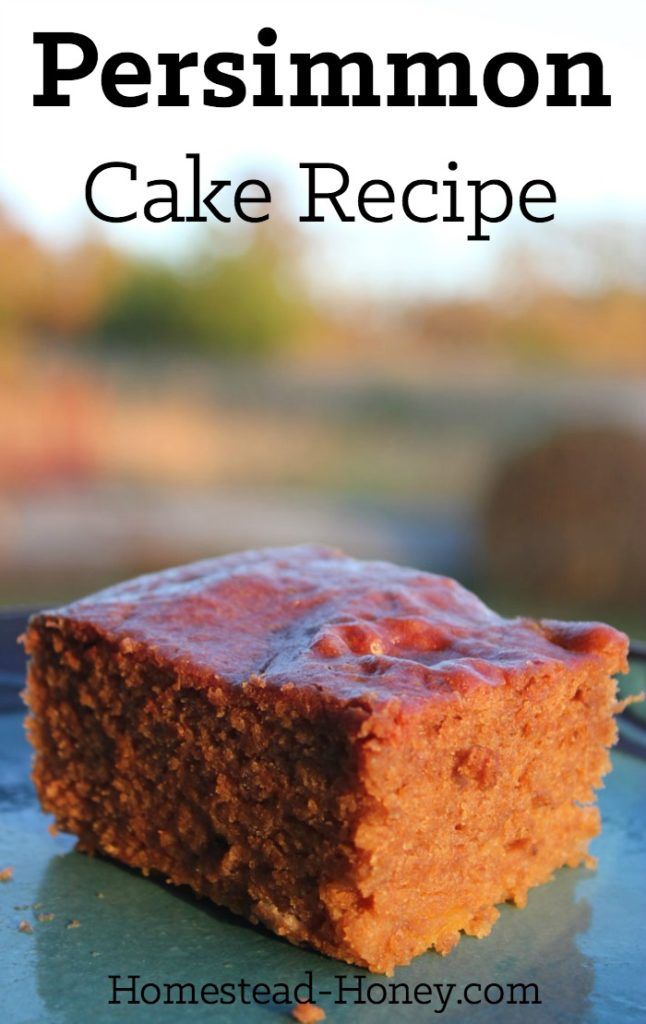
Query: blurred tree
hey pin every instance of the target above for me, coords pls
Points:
(59, 293)
(148, 310)
(79, 283)
(250, 301)
(569, 297)
(574, 297)
(245, 301)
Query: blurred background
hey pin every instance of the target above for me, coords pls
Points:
(168, 396)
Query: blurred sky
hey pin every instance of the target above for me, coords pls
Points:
(594, 157)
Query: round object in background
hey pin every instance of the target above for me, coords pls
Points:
(566, 520)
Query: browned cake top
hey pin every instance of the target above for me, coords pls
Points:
(311, 616)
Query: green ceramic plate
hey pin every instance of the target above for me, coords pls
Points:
(579, 941)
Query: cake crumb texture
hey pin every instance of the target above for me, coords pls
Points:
(307, 1013)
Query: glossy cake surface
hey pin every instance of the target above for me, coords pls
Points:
(315, 617)
(363, 757)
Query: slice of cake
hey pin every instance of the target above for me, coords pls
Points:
(362, 757)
